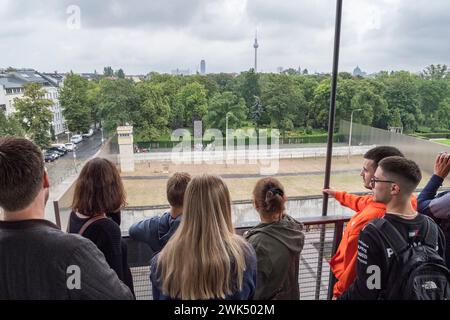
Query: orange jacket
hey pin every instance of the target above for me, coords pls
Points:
(343, 263)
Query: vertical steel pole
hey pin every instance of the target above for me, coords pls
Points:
(332, 113)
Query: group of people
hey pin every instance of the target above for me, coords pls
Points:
(197, 253)
(396, 245)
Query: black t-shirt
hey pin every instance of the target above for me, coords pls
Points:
(374, 253)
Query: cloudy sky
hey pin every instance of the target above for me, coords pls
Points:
(161, 35)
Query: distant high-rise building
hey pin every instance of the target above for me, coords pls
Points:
(255, 45)
(202, 67)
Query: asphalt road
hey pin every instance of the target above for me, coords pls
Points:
(68, 164)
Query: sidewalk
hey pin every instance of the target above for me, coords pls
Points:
(59, 190)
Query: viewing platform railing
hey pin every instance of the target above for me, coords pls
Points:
(315, 280)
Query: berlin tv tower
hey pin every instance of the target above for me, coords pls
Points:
(255, 45)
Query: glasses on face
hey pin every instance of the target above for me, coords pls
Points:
(374, 180)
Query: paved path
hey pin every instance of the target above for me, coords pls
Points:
(248, 175)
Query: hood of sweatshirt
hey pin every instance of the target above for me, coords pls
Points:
(288, 231)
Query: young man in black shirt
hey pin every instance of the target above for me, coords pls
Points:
(393, 183)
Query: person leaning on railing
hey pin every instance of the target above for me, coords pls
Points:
(205, 258)
(278, 241)
(438, 206)
(343, 263)
(98, 197)
(37, 260)
(156, 231)
(400, 255)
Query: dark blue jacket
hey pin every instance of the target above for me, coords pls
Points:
(248, 283)
(155, 231)
(437, 207)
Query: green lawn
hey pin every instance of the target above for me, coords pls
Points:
(445, 141)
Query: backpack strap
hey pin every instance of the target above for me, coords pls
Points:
(432, 234)
(91, 221)
(391, 235)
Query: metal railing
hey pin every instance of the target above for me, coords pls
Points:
(315, 280)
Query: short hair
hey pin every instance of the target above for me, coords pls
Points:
(176, 187)
(269, 196)
(21, 172)
(99, 189)
(403, 171)
(379, 153)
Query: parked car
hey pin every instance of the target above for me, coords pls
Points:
(59, 145)
(50, 156)
(70, 146)
(59, 150)
(90, 133)
(76, 139)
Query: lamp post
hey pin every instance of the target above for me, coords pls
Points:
(103, 140)
(226, 130)
(350, 133)
(74, 160)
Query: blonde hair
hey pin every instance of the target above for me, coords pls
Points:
(205, 258)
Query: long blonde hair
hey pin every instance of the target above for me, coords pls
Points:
(204, 259)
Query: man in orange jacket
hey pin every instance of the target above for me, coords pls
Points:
(343, 263)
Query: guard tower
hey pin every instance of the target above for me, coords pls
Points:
(126, 152)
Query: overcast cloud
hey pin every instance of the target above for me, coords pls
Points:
(162, 35)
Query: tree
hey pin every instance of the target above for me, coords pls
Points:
(256, 112)
(93, 101)
(9, 126)
(435, 72)
(192, 103)
(108, 71)
(284, 101)
(402, 93)
(154, 112)
(120, 74)
(119, 103)
(431, 95)
(73, 97)
(34, 115)
(221, 104)
(171, 85)
(395, 118)
(249, 87)
(442, 116)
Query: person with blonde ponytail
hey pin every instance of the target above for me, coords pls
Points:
(278, 241)
(205, 258)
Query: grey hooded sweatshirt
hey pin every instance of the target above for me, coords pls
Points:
(278, 246)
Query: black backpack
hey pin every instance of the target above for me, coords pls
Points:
(417, 272)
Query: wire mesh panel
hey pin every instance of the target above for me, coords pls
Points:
(141, 282)
(314, 269)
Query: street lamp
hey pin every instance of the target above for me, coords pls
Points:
(226, 130)
(350, 133)
(103, 140)
(74, 160)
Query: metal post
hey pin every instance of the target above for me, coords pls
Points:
(226, 133)
(350, 134)
(57, 214)
(103, 140)
(338, 230)
(332, 113)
